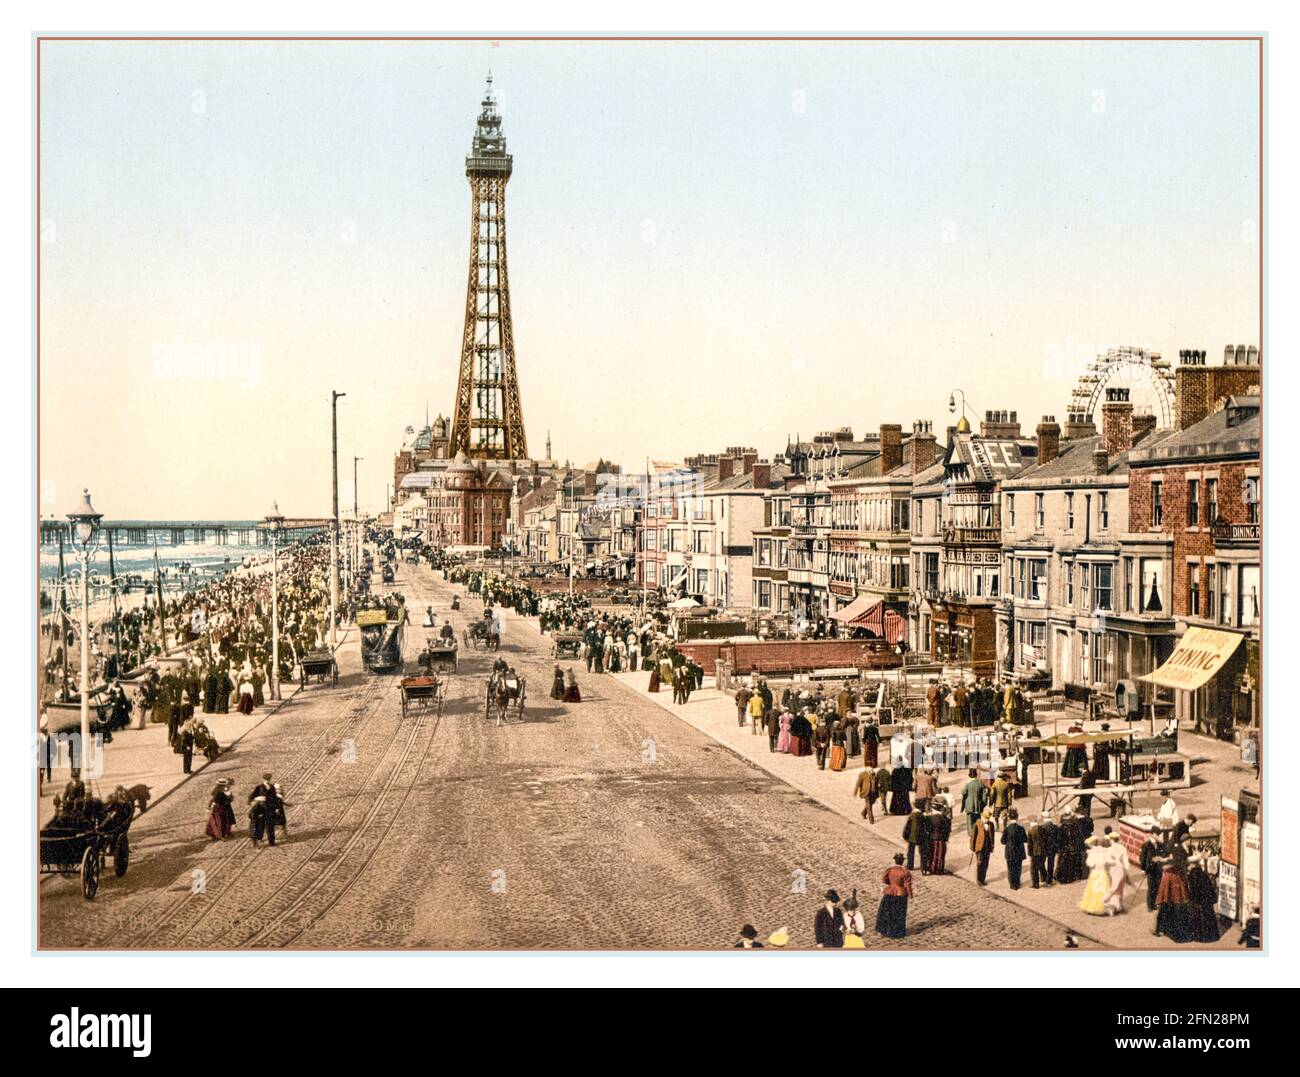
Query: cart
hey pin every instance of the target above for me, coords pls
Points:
(319, 664)
(420, 694)
(566, 645)
(482, 634)
(505, 696)
(83, 846)
(438, 656)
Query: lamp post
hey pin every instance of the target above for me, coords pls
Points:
(334, 521)
(85, 533)
(274, 522)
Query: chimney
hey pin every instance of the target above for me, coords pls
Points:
(921, 448)
(747, 459)
(589, 483)
(725, 466)
(1100, 461)
(1049, 439)
(1200, 389)
(1142, 426)
(762, 474)
(1079, 425)
(891, 446)
(1117, 422)
(1000, 424)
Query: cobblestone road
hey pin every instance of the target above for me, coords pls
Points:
(607, 824)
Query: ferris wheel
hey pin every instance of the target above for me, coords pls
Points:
(1148, 377)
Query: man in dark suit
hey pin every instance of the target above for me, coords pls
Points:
(267, 809)
(1037, 852)
(1050, 835)
(1014, 839)
(1150, 861)
(982, 839)
(916, 832)
(828, 926)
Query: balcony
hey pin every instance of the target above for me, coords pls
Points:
(972, 536)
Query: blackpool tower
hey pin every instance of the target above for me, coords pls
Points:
(488, 421)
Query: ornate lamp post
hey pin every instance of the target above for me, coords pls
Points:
(85, 534)
(274, 522)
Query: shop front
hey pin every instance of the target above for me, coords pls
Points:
(964, 634)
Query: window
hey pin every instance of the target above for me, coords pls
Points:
(1069, 511)
(1099, 655)
(1038, 512)
(918, 515)
(1157, 504)
(1211, 591)
(1037, 634)
(1151, 585)
(1128, 584)
(1020, 578)
(1248, 596)
(1069, 583)
(1037, 579)
(932, 572)
(1194, 590)
(1211, 500)
(1225, 597)
(1011, 511)
(1250, 494)
(1103, 511)
(1101, 586)
(700, 542)
(1193, 502)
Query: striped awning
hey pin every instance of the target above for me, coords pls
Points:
(877, 619)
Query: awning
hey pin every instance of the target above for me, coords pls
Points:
(858, 606)
(876, 618)
(1200, 654)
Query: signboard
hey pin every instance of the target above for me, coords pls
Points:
(1251, 864)
(1200, 654)
(1229, 859)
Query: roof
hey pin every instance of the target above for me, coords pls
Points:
(988, 459)
(1230, 431)
(417, 480)
(1074, 461)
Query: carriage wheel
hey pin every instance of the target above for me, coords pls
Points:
(403, 704)
(121, 856)
(90, 872)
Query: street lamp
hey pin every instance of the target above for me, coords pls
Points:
(85, 534)
(274, 523)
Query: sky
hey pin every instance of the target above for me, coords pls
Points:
(710, 244)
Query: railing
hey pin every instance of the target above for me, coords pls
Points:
(970, 535)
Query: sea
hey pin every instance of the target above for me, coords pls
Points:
(185, 565)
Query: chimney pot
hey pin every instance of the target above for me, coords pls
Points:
(1100, 461)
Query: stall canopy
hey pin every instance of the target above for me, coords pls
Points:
(858, 606)
(875, 617)
(1200, 654)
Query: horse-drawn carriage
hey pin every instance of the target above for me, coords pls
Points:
(566, 645)
(506, 694)
(389, 573)
(439, 655)
(381, 639)
(483, 634)
(423, 693)
(83, 838)
(319, 664)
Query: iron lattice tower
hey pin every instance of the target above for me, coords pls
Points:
(489, 421)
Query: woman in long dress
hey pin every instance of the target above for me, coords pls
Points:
(1093, 901)
(891, 917)
(871, 745)
(1202, 914)
(783, 737)
(221, 812)
(557, 684)
(1173, 898)
(800, 735)
(572, 693)
(1118, 869)
(900, 790)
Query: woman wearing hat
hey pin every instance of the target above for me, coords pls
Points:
(853, 923)
(221, 812)
(891, 918)
(1093, 901)
(748, 939)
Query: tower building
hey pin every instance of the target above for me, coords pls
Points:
(488, 420)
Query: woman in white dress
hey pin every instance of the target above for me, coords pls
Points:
(1117, 869)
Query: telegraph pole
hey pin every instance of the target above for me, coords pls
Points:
(334, 522)
(355, 459)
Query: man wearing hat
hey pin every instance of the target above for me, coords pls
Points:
(1014, 839)
(974, 795)
(267, 806)
(748, 939)
(828, 927)
(982, 839)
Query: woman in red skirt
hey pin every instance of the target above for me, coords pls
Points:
(891, 919)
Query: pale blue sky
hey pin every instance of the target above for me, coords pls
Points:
(710, 243)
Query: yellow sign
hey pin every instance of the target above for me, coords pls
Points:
(1200, 654)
